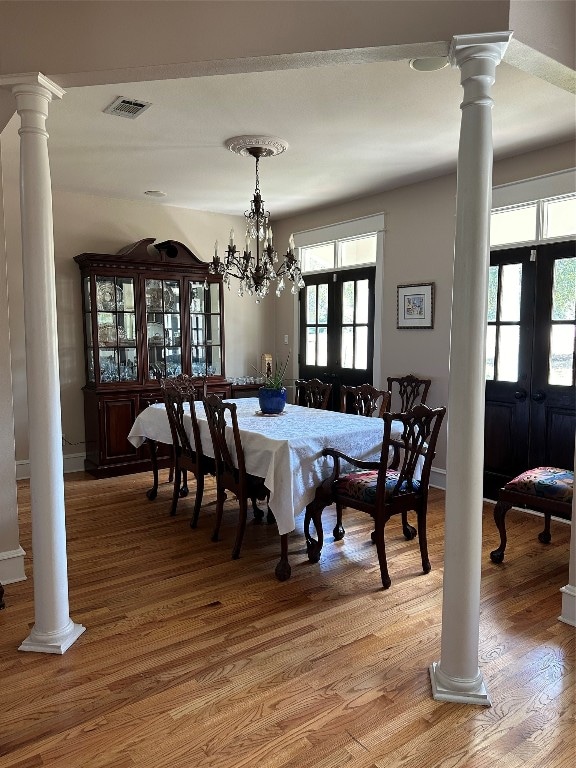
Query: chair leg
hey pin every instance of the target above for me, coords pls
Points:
(423, 541)
(545, 537)
(198, 499)
(283, 568)
(258, 514)
(381, 549)
(220, 499)
(314, 547)
(184, 488)
(176, 491)
(338, 531)
(408, 530)
(241, 528)
(497, 555)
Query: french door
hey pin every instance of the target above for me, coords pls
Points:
(337, 328)
(530, 362)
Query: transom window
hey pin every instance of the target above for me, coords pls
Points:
(534, 222)
(339, 254)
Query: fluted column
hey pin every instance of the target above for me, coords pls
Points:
(457, 677)
(53, 630)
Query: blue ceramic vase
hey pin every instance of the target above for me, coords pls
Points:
(272, 400)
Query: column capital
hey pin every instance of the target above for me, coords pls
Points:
(490, 45)
(15, 83)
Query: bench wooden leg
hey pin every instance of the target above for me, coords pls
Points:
(497, 555)
(545, 537)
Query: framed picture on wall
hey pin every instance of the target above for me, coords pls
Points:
(415, 306)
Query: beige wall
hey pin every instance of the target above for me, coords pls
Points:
(418, 247)
(83, 223)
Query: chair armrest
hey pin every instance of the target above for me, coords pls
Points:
(337, 455)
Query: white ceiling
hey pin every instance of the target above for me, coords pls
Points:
(352, 130)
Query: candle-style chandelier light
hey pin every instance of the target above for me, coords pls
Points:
(257, 272)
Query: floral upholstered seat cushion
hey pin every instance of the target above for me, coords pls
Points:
(545, 482)
(362, 485)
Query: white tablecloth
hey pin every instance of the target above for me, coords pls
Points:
(285, 450)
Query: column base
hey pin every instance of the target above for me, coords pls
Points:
(476, 694)
(52, 643)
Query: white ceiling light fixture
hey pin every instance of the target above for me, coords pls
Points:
(429, 64)
(257, 273)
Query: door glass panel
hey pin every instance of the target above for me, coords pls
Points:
(213, 329)
(560, 365)
(87, 299)
(492, 293)
(128, 365)
(108, 365)
(348, 302)
(490, 351)
(310, 346)
(322, 346)
(214, 367)
(91, 372)
(88, 324)
(361, 359)
(513, 225)
(508, 353)
(214, 297)
(362, 302)
(323, 304)
(564, 291)
(510, 292)
(311, 305)
(197, 297)
(347, 347)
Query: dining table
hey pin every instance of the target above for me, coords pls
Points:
(285, 449)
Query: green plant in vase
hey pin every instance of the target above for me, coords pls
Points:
(272, 394)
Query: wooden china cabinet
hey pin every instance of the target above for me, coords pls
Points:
(150, 309)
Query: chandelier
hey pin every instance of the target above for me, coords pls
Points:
(257, 266)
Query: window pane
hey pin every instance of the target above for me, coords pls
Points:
(492, 293)
(490, 351)
(359, 250)
(510, 291)
(361, 361)
(214, 297)
(347, 347)
(564, 291)
(362, 301)
(311, 305)
(317, 257)
(348, 302)
(322, 346)
(560, 217)
(508, 353)
(513, 225)
(561, 355)
(323, 303)
(310, 346)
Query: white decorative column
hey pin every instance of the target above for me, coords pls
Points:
(457, 677)
(53, 630)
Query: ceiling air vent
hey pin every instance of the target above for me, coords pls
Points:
(130, 108)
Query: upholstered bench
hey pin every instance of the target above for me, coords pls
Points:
(544, 489)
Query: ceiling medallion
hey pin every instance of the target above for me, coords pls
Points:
(269, 146)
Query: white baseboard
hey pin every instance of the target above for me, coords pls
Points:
(12, 566)
(73, 462)
(438, 478)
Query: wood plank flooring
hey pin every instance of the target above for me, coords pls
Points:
(193, 660)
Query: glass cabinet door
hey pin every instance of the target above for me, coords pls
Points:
(116, 329)
(205, 331)
(163, 328)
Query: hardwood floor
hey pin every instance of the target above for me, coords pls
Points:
(193, 660)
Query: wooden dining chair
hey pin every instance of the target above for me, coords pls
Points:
(188, 455)
(364, 400)
(379, 490)
(312, 393)
(231, 474)
(410, 389)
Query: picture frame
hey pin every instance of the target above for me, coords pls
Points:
(415, 306)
